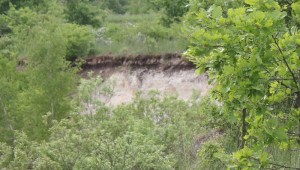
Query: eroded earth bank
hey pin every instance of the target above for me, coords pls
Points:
(169, 74)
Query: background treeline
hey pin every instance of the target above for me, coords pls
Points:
(114, 26)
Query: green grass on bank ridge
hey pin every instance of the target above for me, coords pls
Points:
(133, 18)
(138, 34)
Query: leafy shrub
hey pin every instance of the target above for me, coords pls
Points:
(32, 4)
(208, 156)
(84, 12)
(117, 6)
(139, 7)
(80, 40)
(4, 25)
(173, 10)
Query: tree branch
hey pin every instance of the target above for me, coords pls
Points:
(285, 61)
(244, 128)
(283, 166)
(279, 80)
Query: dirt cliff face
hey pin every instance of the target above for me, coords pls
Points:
(168, 73)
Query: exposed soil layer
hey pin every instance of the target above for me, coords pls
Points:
(168, 73)
(164, 62)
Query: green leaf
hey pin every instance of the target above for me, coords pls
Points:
(264, 158)
(280, 133)
(217, 12)
(251, 2)
(258, 59)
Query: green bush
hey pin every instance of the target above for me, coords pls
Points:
(84, 12)
(173, 10)
(38, 5)
(117, 6)
(80, 41)
(139, 7)
(4, 25)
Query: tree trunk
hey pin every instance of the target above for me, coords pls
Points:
(244, 128)
(297, 105)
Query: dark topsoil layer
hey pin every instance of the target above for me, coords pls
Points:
(167, 61)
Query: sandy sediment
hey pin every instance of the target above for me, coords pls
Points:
(168, 73)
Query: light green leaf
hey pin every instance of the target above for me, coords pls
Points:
(280, 134)
(251, 2)
(217, 12)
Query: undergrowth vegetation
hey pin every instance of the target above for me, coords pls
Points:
(138, 34)
(151, 132)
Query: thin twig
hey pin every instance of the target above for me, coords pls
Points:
(277, 79)
(278, 165)
(283, 166)
(285, 62)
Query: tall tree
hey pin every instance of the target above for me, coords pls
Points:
(48, 79)
(252, 51)
(51, 79)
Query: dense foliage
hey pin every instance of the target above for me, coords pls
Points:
(173, 10)
(249, 48)
(84, 12)
(152, 132)
(35, 47)
(251, 52)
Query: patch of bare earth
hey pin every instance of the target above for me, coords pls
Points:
(169, 74)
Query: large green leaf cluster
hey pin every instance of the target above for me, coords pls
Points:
(251, 52)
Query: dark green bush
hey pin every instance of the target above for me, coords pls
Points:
(84, 12)
(80, 40)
